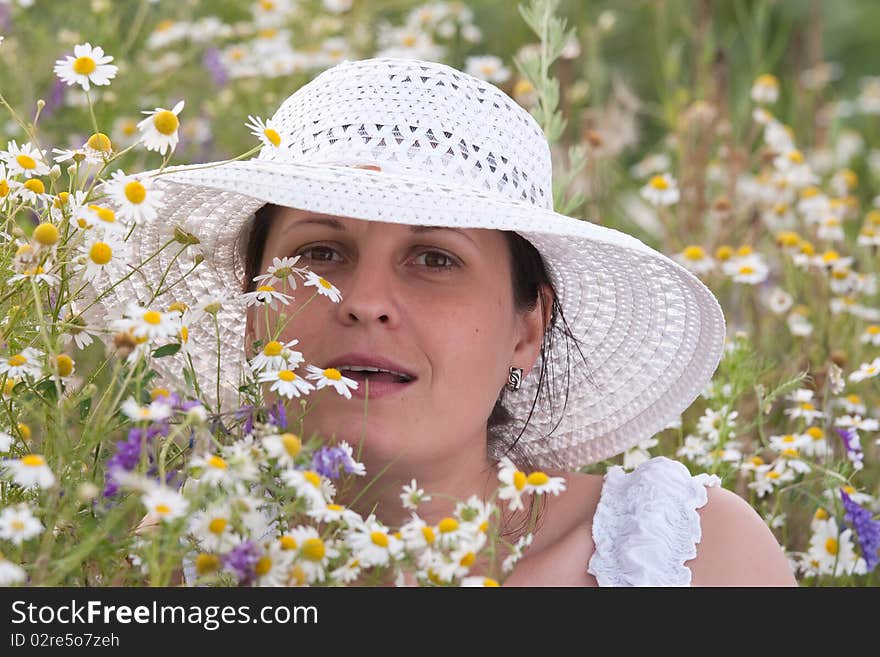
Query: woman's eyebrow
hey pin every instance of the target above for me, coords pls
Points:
(338, 225)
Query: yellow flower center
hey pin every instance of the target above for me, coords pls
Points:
(165, 122)
(267, 5)
(25, 432)
(873, 329)
(184, 334)
(135, 192)
(795, 157)
(767, 80)
(830, 256)
(292, 443)
(287, 542)
(162, 509)
(831, 546)
(745, 270)
(155, 393)
(17, 360)
(325, 283)
(273, 348)
(152, 317)
(333, 374)
(659, 182)
(263, 565)
(791, 452)
(849, 490)
(217, 525)
(468, 560)
(207, 563)
(32, 460)
(100, 253)
(519, 480)
(724, 252)
(104, 214)
(46, 234)
(694, 253)
(379, 538)
(488, 581)
(447, 525)
(773, 475)
(854, 399)
(36, 186)
(265, 288)
(286, 375)
(313, 478)
(65, 365)
(522, 86)
(428, 534)
(4, 188)
(217, 462)
(268, 33)
(272, 136)
(313, 549)
(84, 65)
(756, 460)
(807, 406)
(484, 526)
(8, 386)
(100, 142)
(538, 479)
(821, 514)
(26, 161)
(18, 525)
(409, 40)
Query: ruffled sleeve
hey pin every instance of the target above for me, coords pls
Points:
(646, 524)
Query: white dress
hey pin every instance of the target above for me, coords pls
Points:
(646, 524)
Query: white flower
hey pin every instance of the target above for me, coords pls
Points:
(832, 552)
(314, 553)
(857, 422)
(487, 67)
(696, 259)
(284, 447)
(331, 377)
(159, 129)
(286, 383)
(281, 270)
(516, 552)
(866, 371)
(212, 528)
(99, 256)
(277, 356)
(11, 573)
(651, 163)
(871, 334)
(275, 566)
(135, 198)
(25, 362)
(514, 483)
(765, 89)
(412, 496)
(662, 189)
(147, 323)
(372, 543)
(267, 131)
(770, 475)
(308, 485)
(157, 410)
(17, 524)
(30, 471)
(478, 581)
(90, 65)
(165, 503)
(750, 269)
(806, 410)
(693, 449)
(712, 422)
(26, 160)
(265, 294)
(539, 483)
(213, 469)
(323, 286)
(335, 513)
(5, 441)
(778, 300)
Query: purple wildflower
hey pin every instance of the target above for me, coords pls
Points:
(277, 415)
(214, 64)
(242, 560)
(128, 453)
(853, 446)
(866, 528)
(328, 460)
(55, 100)
(246, 412)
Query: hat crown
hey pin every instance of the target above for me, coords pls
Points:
(417, 118)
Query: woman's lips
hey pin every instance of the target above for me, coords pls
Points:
(380, 384)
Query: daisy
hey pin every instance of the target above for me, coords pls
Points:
(157, 410)
(281, 270)
(662, 189)
(5, 441)
(151, 324)
(788, 441)
(696, 259)
(211, 469)
(770, 475)
(865, 371)
(479, 581)
(347, 572)
(30, 471)
(10, 573)
(539, 483)
(712, 422)
(331, 377)
(765, 89)
(265, 294)
(284, 447)
(17, 524)
(323, 286)
(267, 131)
(26, 161)
(373, 545)
(90, 65)
(778, 301)
(212, 528)
(314, 553)
(308, 485)
(276, 355)
(335, 513)
(806, 410)
(514, 483)
(487, 67)
(516, 552)
(275, 567)
(417, 534)
(105, 222)
(159, 129)
(412, 496)
(832, 552)
(135, 198)
(286, 383)
(852, 403)
(27, 361)
(32, 191)
(856, 422)
(242, 457)
(98, 258)
(165, 503)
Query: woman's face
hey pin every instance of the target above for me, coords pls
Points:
(437, 302)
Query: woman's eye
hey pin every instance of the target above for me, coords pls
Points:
(434, 257)
(434, 260)
(319, 249)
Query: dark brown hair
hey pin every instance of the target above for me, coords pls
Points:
(529, 277)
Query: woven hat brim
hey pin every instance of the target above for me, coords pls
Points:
(651, 332)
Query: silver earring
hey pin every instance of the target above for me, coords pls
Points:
(514, 379)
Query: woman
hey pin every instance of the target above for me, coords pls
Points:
(505, 329)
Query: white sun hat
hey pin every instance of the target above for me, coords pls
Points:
(453, 150)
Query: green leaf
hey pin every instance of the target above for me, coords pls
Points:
(166, 350)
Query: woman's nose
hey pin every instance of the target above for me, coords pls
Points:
(368, 294)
